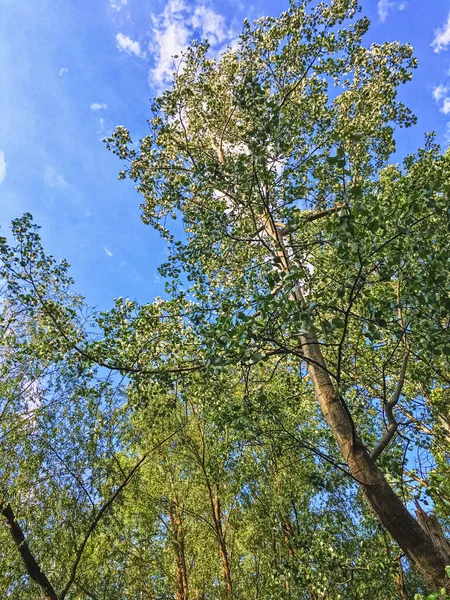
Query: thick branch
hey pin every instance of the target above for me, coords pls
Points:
(314, 216)
(33, 569)
(389, 411)
(308, 216)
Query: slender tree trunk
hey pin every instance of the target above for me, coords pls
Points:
(213, 493)
(221, 538)
(286, 527)
(415, 542)
(33, 568)
(400, 581)
(181, 577)
(257, 576)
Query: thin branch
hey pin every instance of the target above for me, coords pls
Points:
(314, 450)
(89, 593)
(106, 506)
(100, 363)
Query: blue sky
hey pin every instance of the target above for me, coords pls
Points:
(71, 70)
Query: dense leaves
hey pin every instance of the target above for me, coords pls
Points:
(191, 447)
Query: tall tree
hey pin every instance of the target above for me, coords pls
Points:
(299, 240)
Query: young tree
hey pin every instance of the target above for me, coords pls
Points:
(299, 240)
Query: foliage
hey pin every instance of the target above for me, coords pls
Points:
(183, 448)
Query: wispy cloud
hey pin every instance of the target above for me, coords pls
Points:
(385, 7)
(118, 4)
(107, 251)
(105, 129)
(63, 71)
(54, 179)
(440, 94)
(3, 164)
(126, 44)
(446, 106)
(442, 37)
(97, 106)
(176, 26)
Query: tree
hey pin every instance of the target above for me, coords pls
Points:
(63, 428)
(170, 481)
(259, 432)
(300, 240)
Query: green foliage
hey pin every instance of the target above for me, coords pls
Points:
(176, 449)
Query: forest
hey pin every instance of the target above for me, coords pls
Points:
(277, 426)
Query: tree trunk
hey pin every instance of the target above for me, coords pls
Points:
(415, 542)
(286, 527)
(181, 578)
(432, 526)
(224, 558)
(33, 569)
(399, 581)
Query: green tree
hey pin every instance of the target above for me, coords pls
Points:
(171, 482)
(300, 240)
(260, 432)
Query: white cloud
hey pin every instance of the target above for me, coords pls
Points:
(440, 92)
(63, 71)
(440, 95)
(118, 4)
(442, 37)
(126, 44)
(386, 6)
(107, 251)
(3, 164)
(96, 106)
(53, 178)
(211, 25)
(446, 106)
(176, 26)
(171, 37)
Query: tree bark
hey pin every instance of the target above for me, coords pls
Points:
(181, 577)
(432, 526)
(32, 567)
(224, 558)
(415, 542)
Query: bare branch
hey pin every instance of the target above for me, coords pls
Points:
(32, 566)
(389, 411)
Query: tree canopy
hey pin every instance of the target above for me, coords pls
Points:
(277, 426)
